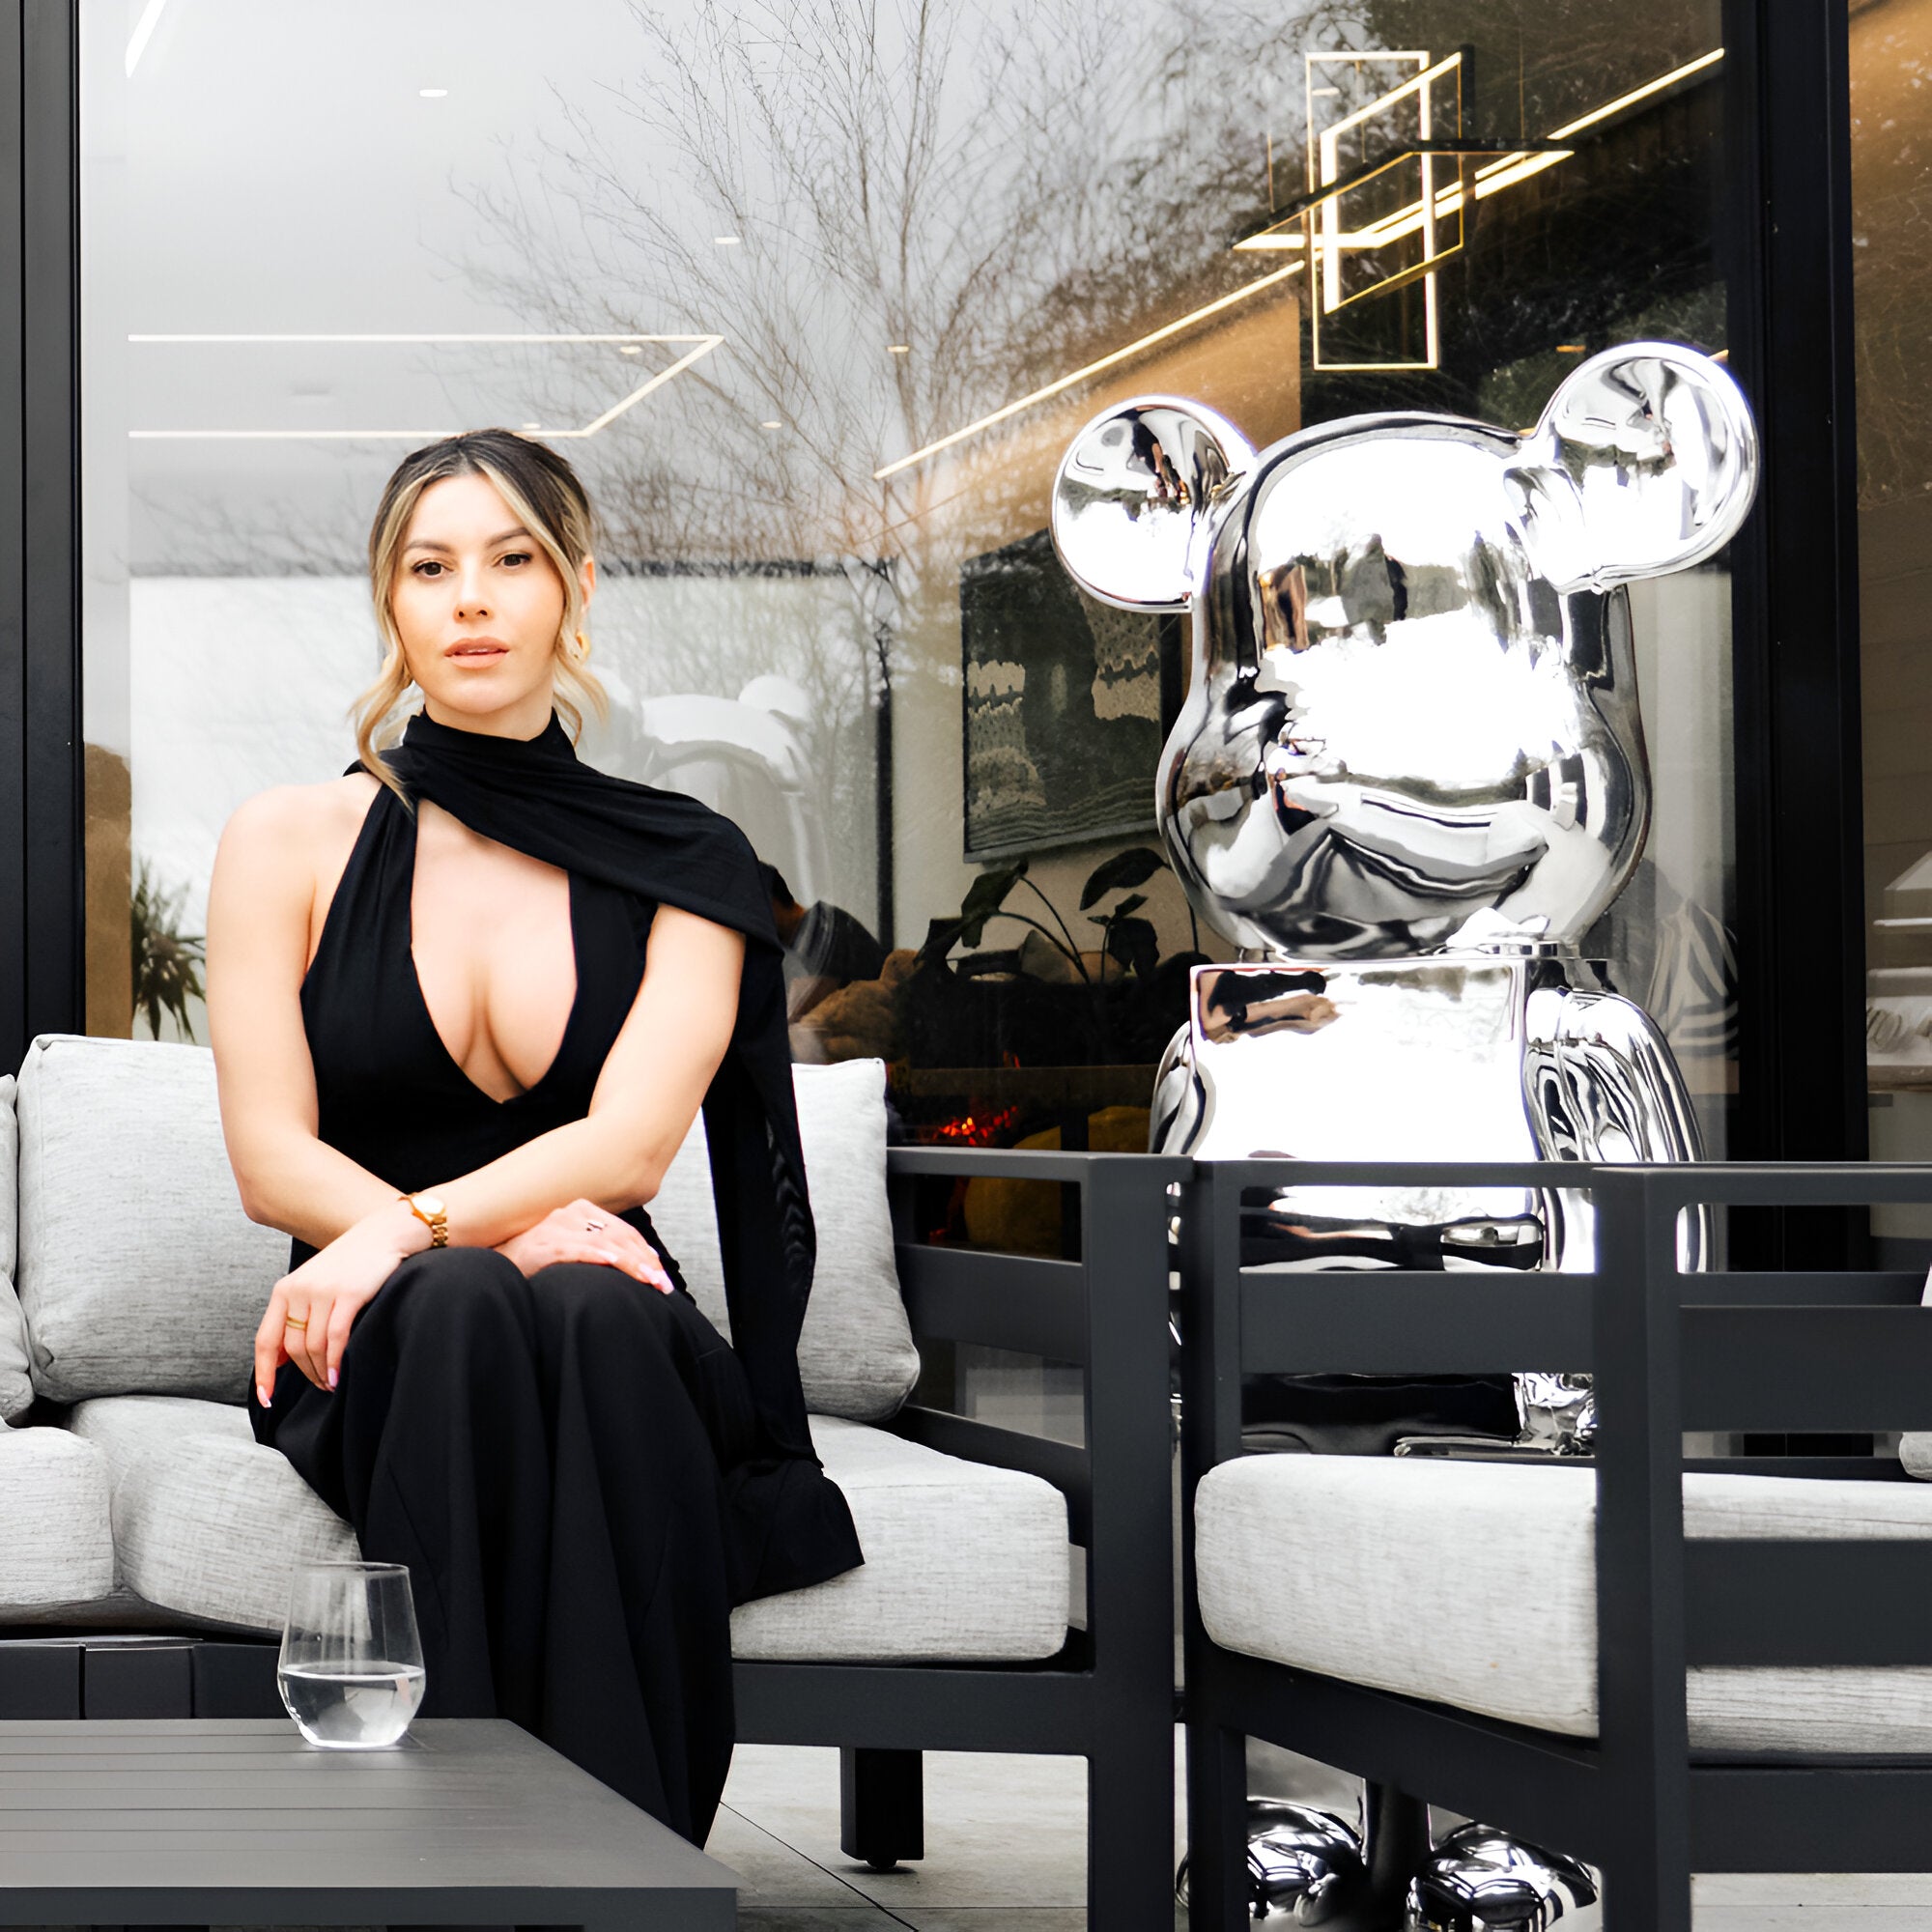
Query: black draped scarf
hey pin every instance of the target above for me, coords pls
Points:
(536, 796)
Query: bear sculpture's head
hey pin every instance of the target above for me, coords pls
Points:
(1412, 722)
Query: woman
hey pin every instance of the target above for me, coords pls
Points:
(465, 1002)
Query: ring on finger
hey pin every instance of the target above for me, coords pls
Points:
(292, 1323)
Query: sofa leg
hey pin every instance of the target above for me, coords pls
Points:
(1131, 1830)
(881, 1807)
(1217, 1829)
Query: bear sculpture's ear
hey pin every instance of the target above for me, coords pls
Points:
(1645, 462)
(1133, 497)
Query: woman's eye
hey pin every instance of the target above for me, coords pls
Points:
(429, 567)
(514, 557)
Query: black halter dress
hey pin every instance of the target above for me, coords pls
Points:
(571, 1465)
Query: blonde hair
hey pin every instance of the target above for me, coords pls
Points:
(544, 494)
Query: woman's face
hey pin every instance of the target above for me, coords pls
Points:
(478, 604)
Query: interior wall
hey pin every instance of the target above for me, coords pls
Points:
(1246, 364)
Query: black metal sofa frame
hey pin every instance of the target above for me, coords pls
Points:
(1671, 1352)
(1108, 1697)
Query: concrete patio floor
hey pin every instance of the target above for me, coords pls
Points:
(1005, 1852)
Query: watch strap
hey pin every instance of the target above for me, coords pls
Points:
(436, 1220)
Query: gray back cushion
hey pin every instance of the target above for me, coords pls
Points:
(16, 1388)
(140, 1274)
(138, 1271)
(856, 1356)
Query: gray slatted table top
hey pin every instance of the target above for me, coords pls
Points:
(208, 1821)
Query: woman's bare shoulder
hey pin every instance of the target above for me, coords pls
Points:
(313, 816)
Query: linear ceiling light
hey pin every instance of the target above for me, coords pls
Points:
(144, 31)
(1054, 388)
(1513, 168)
(1509, 168)
(703, 346)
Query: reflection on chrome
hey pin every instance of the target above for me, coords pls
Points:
(1465, 1057)
(1481, 1880)
(1408, 777)
(1414, 698)
(1133, 496)
(1305, 1865)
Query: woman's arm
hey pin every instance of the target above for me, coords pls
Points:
(260, 907)
(647, 1096)
(260, 903)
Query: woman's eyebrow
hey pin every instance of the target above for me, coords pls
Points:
(489, 543)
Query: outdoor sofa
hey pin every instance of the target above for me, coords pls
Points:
(147, 1541)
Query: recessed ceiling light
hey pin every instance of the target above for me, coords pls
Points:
(432, 93)
(728, 241)
(898, 349)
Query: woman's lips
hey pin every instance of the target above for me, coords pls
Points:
(477, 650)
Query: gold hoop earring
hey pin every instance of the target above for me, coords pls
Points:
(583, 647)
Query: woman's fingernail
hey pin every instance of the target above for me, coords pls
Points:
(261, 1391)
(333, 1374)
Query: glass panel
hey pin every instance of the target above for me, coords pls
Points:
(816, 298)
(1891, 270)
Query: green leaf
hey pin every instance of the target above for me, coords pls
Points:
(1131, 903)
(1135, 944)
(941, 935)
(1132, 868)
(986, 895)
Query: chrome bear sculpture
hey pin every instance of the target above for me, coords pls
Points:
(1408, 777)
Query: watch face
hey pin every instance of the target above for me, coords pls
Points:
(429, 1204)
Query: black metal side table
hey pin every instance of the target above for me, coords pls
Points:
(204, 1821)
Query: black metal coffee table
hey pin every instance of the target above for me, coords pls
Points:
(208, 1821)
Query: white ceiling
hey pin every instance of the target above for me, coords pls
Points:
(271, 169)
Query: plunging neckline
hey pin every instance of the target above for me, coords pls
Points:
(422, 999)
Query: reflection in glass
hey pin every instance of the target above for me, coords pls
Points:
(1891, 272)
(825, 448)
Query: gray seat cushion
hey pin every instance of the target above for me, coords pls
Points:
(138, 1269)
(59, 1550)
(856, 1356)
(17, 1386)
(964, 1562)
(1474, 1585)
(206, 1521)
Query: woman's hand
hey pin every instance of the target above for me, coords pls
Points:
(311, 1311)
(581, 1231)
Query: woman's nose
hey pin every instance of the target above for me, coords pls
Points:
(470, 601)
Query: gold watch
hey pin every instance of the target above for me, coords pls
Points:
(429, 1211)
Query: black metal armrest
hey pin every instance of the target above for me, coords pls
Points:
(1105, 1313)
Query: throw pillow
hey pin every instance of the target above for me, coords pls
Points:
(138, 1271)
(856, 1356)
(16, 1388)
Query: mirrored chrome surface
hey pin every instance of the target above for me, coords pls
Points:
(1305, 1865)
(1413, 701)
(1447, 1057)
(1482, 1880)
(1132, 498)
(1399, 1060)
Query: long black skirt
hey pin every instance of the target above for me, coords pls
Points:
(545, 1455)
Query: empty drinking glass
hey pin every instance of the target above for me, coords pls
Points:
(351, 1668)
